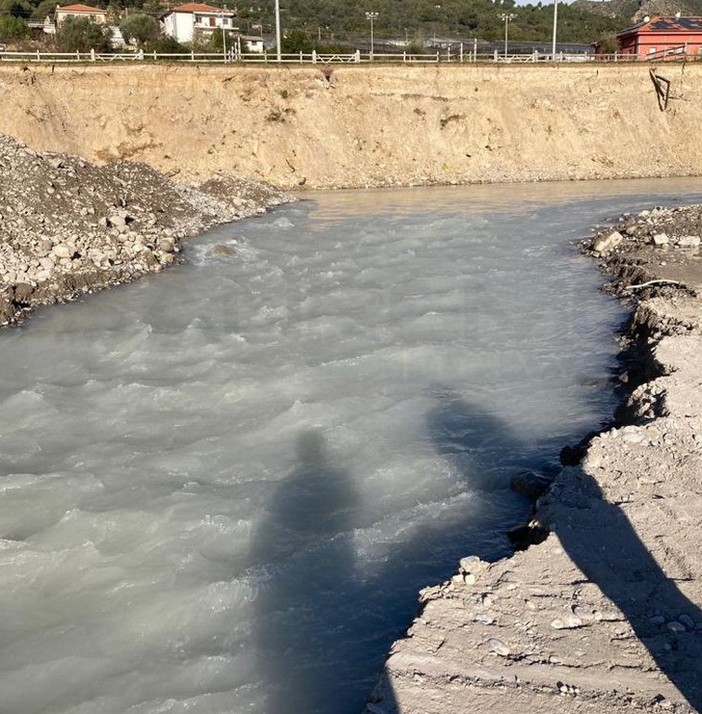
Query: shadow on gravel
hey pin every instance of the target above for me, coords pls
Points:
(601, 541)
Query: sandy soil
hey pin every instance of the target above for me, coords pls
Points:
(604, 614)
(369, 126)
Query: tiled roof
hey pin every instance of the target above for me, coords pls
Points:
(201, 7)
(81, 8)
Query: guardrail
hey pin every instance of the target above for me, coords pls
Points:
(317, 58)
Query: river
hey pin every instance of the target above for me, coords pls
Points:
(223, 486)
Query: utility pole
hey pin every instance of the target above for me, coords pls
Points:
(555, 29)
(277, 31)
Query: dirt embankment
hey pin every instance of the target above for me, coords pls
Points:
(604, 614)
(366, 126)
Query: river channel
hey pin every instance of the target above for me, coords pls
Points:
(223, 486)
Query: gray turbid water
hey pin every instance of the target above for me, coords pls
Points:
(223, 486)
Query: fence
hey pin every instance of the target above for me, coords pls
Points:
(314, 58)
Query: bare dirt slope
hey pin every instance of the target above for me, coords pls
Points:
(604, 615)
(374, 126)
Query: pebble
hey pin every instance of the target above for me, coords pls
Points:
(660, 239)
(675, 626)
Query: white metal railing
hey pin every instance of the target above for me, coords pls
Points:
(232, 56)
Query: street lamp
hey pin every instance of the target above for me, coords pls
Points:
(372, 16)
(555, 26)
(506, 17)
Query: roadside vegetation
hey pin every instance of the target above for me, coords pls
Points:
(337, 25)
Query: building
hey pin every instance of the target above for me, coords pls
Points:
(252, 44)
(663, 38)
(95, 14)
(193, 19)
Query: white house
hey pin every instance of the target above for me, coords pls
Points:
(95, 14)
(184, 22)
(252, 44)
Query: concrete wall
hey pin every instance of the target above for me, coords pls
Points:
(368, 126)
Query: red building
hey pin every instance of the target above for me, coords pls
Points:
(663, 38)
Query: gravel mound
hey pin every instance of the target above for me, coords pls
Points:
(68, 227)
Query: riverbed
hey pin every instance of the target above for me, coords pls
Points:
(223, 486)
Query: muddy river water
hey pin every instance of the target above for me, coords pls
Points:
(223, 486)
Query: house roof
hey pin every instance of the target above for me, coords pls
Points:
(81, 8)
(202, 8)
(665, 24)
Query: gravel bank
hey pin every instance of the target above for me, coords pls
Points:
(604, 613)
(68, 227)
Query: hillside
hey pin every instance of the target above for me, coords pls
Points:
(635, 10)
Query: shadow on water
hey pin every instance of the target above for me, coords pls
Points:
(320, 607)
(305, 542)
(601, 541)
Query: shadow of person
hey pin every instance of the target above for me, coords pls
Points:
(596, 534)
(471, 516)
(601, 541)
(304, 552)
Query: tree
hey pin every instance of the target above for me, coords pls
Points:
(167, 45)
(44, 9)
(79, 34)
(12, 29)
(140, 29)
(16, 8)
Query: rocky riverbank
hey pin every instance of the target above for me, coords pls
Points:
(68, 227)
(604, 613)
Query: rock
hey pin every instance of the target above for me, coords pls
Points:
(567, 622)
(44, 246)
(687, 621)
(689, 242)
(499, 647)
(675, 626)
(23, 292)
(472, 564)
(483, 618)
(527, 535)
(223, 250)
(660, 239)
(168, 245)
(62, 250)
(531, 484)
(605, 243)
